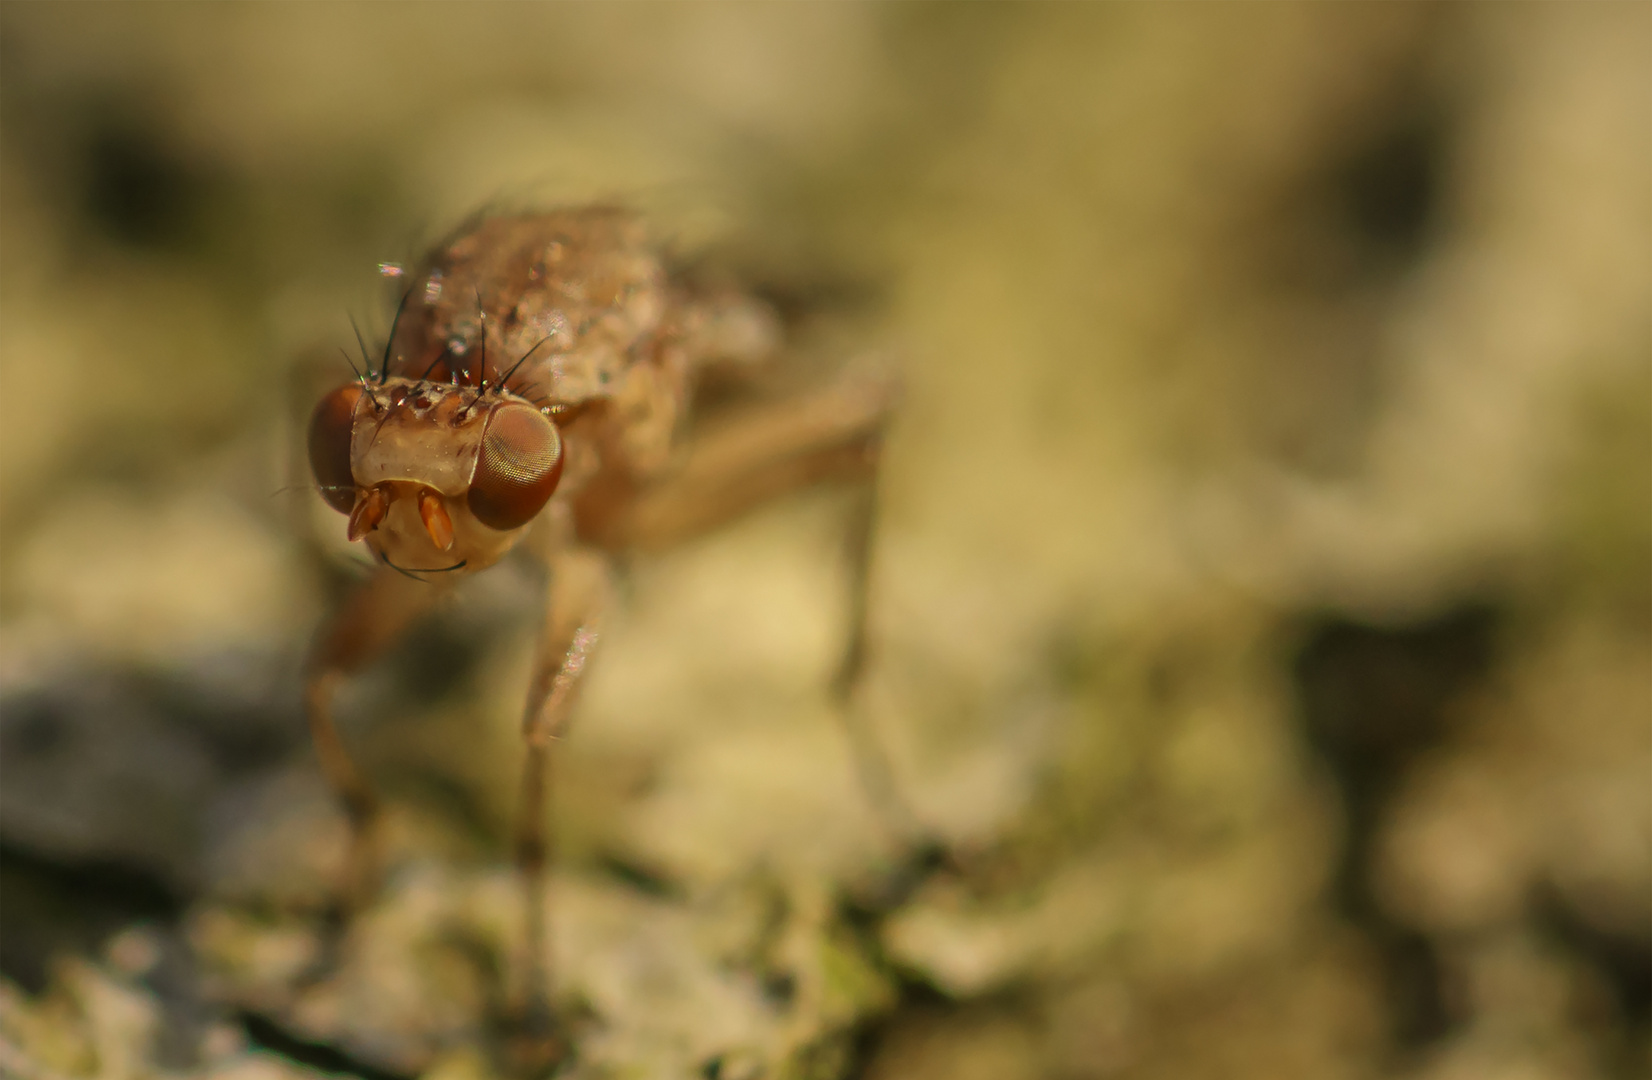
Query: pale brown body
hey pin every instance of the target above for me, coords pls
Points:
(611, 349)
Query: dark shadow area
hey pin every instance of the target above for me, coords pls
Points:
(1386, 190)
(55, 906)
(120, 766)
(646, 880)
(269, 1035)
(1619, 958)
(1371, 701)
(137, 190)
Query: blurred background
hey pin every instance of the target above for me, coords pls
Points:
(1262, 608)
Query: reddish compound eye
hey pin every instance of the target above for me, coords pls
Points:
(330, 427)
(520, 463)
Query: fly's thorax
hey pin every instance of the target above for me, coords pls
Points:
(567, 295)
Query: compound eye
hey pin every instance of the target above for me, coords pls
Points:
(517, 469)
(330, 428)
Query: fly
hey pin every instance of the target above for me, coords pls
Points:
(533, 393)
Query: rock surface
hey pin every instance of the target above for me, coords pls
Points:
(1262, 607)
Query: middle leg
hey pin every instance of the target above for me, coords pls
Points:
(577, 592)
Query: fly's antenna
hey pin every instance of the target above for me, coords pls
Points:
(384, 366)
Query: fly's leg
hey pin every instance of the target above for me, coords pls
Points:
(370, 619)
(872, 765)
(768, 451)
(833, 435)
(577, 593)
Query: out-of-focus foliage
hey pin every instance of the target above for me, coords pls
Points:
(1263, 598)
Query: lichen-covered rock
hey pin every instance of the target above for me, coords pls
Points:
(1260, 600)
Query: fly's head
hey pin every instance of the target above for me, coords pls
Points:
(435, 478)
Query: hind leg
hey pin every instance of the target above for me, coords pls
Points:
(831, 436)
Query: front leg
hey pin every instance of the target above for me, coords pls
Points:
(576, 594)
(371, 619)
